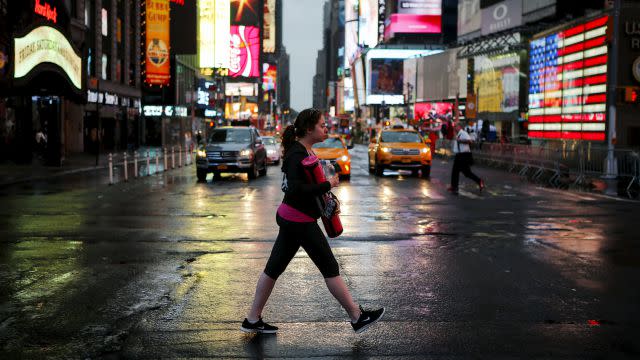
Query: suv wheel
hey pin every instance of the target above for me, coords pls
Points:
(369, 165)
(202, 174)
(253, 171)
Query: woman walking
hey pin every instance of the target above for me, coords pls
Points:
(297, 218)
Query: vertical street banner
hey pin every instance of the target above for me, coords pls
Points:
(157, 62)
(269, 27)
(213, 33)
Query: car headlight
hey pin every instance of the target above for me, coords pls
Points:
(246, 153)
(425, 150)
(344, 158)
(271, 152)
(201, 153)
(386, 149)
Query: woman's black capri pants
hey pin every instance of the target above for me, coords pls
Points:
(292, 235)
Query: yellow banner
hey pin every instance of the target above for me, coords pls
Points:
(157, 64)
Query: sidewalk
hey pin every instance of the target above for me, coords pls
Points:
(11, 173)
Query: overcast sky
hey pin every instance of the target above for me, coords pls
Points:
(302, 36)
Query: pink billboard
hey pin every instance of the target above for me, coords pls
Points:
(433, 110)
(245, 51)
(412, 24)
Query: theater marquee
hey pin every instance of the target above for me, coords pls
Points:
(45, 44)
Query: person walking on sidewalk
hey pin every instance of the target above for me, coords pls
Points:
(297, 218)
(463, 159)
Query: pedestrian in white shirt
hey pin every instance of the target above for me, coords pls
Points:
(463, 159)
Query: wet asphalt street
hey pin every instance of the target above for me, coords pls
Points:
(165, 267)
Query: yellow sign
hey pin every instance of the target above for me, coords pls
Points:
(214, 37)
(45, 44)
(269, 27)
(157, 42)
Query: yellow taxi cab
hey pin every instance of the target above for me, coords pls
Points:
(335, 150)
(400, 148)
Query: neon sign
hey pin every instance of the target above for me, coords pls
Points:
(568, 83)
(47, 11)
(47, 45)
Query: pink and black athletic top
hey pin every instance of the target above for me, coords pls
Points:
(299, 203)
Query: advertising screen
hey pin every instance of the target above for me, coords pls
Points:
(348, 97)
(359, 82)
(269, 76)
(386, 76)
(434, 110)
(245, 51)
(415, 17)
(350, 32)
(368, 23)
(29, 53)
(213, 33)
(240, 110)
(469, 16)
(241, 89)
(269, 27)
(497, 82)
(157, 67)
(246, 12)
(568, 83)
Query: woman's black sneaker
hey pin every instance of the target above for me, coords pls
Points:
(366, 319)
(259, 327)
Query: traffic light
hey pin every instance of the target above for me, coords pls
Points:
(631, 94)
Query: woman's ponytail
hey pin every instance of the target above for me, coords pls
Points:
(288, 137)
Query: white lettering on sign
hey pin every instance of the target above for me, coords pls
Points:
(151, 110)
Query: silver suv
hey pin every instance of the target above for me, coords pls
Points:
(232, 150)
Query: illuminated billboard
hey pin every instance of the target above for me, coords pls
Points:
(469, 16)
(213, 33)
(497, 81)
(568, 83)
(245, 12)
(368, 33)
(385, 74)
(240, 110)
(434, 110)
(269, 76)
(241, 89)
(45, 44)
(245, 51)
(350, 32)
(157, 68)
(415, 17)
(269, 27)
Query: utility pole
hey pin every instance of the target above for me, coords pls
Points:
(611, 164)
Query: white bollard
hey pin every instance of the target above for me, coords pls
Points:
(165, 159)
(110, 169)
(180, 156)
(157, 163)
(135, 164)
(126, 176)
(148, 160)
(173, 157)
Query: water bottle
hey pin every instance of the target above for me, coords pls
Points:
(329, 169)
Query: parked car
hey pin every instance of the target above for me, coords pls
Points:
(400, 149)
(273, 149)
(335, 150)
(232, 150)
